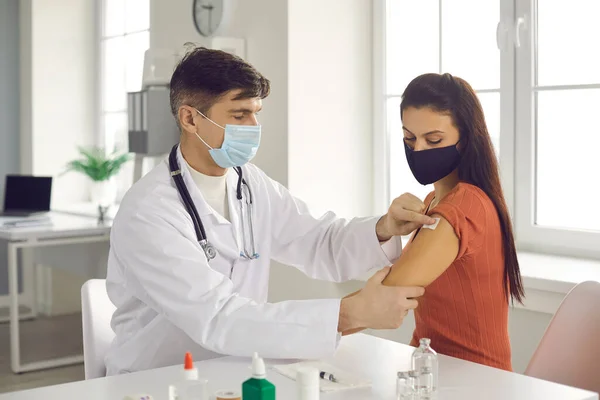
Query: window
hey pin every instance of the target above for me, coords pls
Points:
(441, 40)
(539, 87)
(557, 134)
(125, 37)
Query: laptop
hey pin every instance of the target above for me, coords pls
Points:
(26, 195)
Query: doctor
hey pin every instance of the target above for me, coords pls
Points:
(192, 242)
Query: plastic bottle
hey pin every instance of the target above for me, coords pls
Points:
(258, 387)
(190, 387)
(425, 362)
(307, 383)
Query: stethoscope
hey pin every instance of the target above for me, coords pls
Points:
(208, 248)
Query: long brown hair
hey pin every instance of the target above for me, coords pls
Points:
(478, 166)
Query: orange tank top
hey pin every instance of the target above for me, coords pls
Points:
(465, 310)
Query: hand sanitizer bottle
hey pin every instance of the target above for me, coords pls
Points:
(258, 387)
(425, 363)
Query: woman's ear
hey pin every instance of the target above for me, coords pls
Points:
(460, 145)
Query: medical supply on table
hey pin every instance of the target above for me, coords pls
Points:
(189, 371)
(258, 387)
(327, 376)
(344, 379)
(228, 395)
(307, 383)
(405, 386)
(246, 223)
(425, 362)
(414, 375)
(190, 387)
(426, 381)
(434, 225)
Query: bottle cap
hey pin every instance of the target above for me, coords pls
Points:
(190, 372)
(307, 376)
(188, 362)
(258, 367)
(403, 374)
(413, 374)
(228, 395)
(425, 342)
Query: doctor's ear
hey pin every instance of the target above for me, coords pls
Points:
(186, 116)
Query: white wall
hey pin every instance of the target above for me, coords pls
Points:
(263, 23)
(61, 108)
(9, 111)
(58, 81)
(330, 104)
(320, 102)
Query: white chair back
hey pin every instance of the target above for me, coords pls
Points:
(96, 313)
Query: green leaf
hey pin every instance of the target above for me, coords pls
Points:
(96, 164)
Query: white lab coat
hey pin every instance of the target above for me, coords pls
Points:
(170, 299)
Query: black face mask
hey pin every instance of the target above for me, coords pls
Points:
(429, 166)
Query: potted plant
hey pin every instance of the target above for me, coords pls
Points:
(100, 167)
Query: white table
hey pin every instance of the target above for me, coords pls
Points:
(66, 229)
(371, 357)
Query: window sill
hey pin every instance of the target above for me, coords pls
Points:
(548, 278)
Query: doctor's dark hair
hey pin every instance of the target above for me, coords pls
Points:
(478, 165)
(204, 75)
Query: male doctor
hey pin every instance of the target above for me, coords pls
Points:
(196, 280)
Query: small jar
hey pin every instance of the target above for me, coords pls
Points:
(405, 385)
(307, 383)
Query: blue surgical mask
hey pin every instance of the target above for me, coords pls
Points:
(239, 146)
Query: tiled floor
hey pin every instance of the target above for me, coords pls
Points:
(40, 339)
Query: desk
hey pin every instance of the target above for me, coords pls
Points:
(372, 357)
(65, 229)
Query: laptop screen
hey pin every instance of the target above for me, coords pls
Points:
(27, 193)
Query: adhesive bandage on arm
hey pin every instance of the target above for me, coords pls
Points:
(434, 225)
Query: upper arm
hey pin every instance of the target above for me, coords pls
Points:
(427, 257)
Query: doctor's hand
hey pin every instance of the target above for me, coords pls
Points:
(406, 213)
(377, 306)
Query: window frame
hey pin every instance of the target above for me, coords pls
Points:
(101, 138)
(517, 133)
(532, 237)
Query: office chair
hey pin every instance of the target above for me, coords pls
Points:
(569, 351)
(96, 312)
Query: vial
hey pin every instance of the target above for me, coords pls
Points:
(426, 381)
(425, 362)
(414, 375)
(404, 386)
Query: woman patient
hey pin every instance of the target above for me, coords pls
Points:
(468, 263)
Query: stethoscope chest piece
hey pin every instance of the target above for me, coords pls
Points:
(209, 249)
